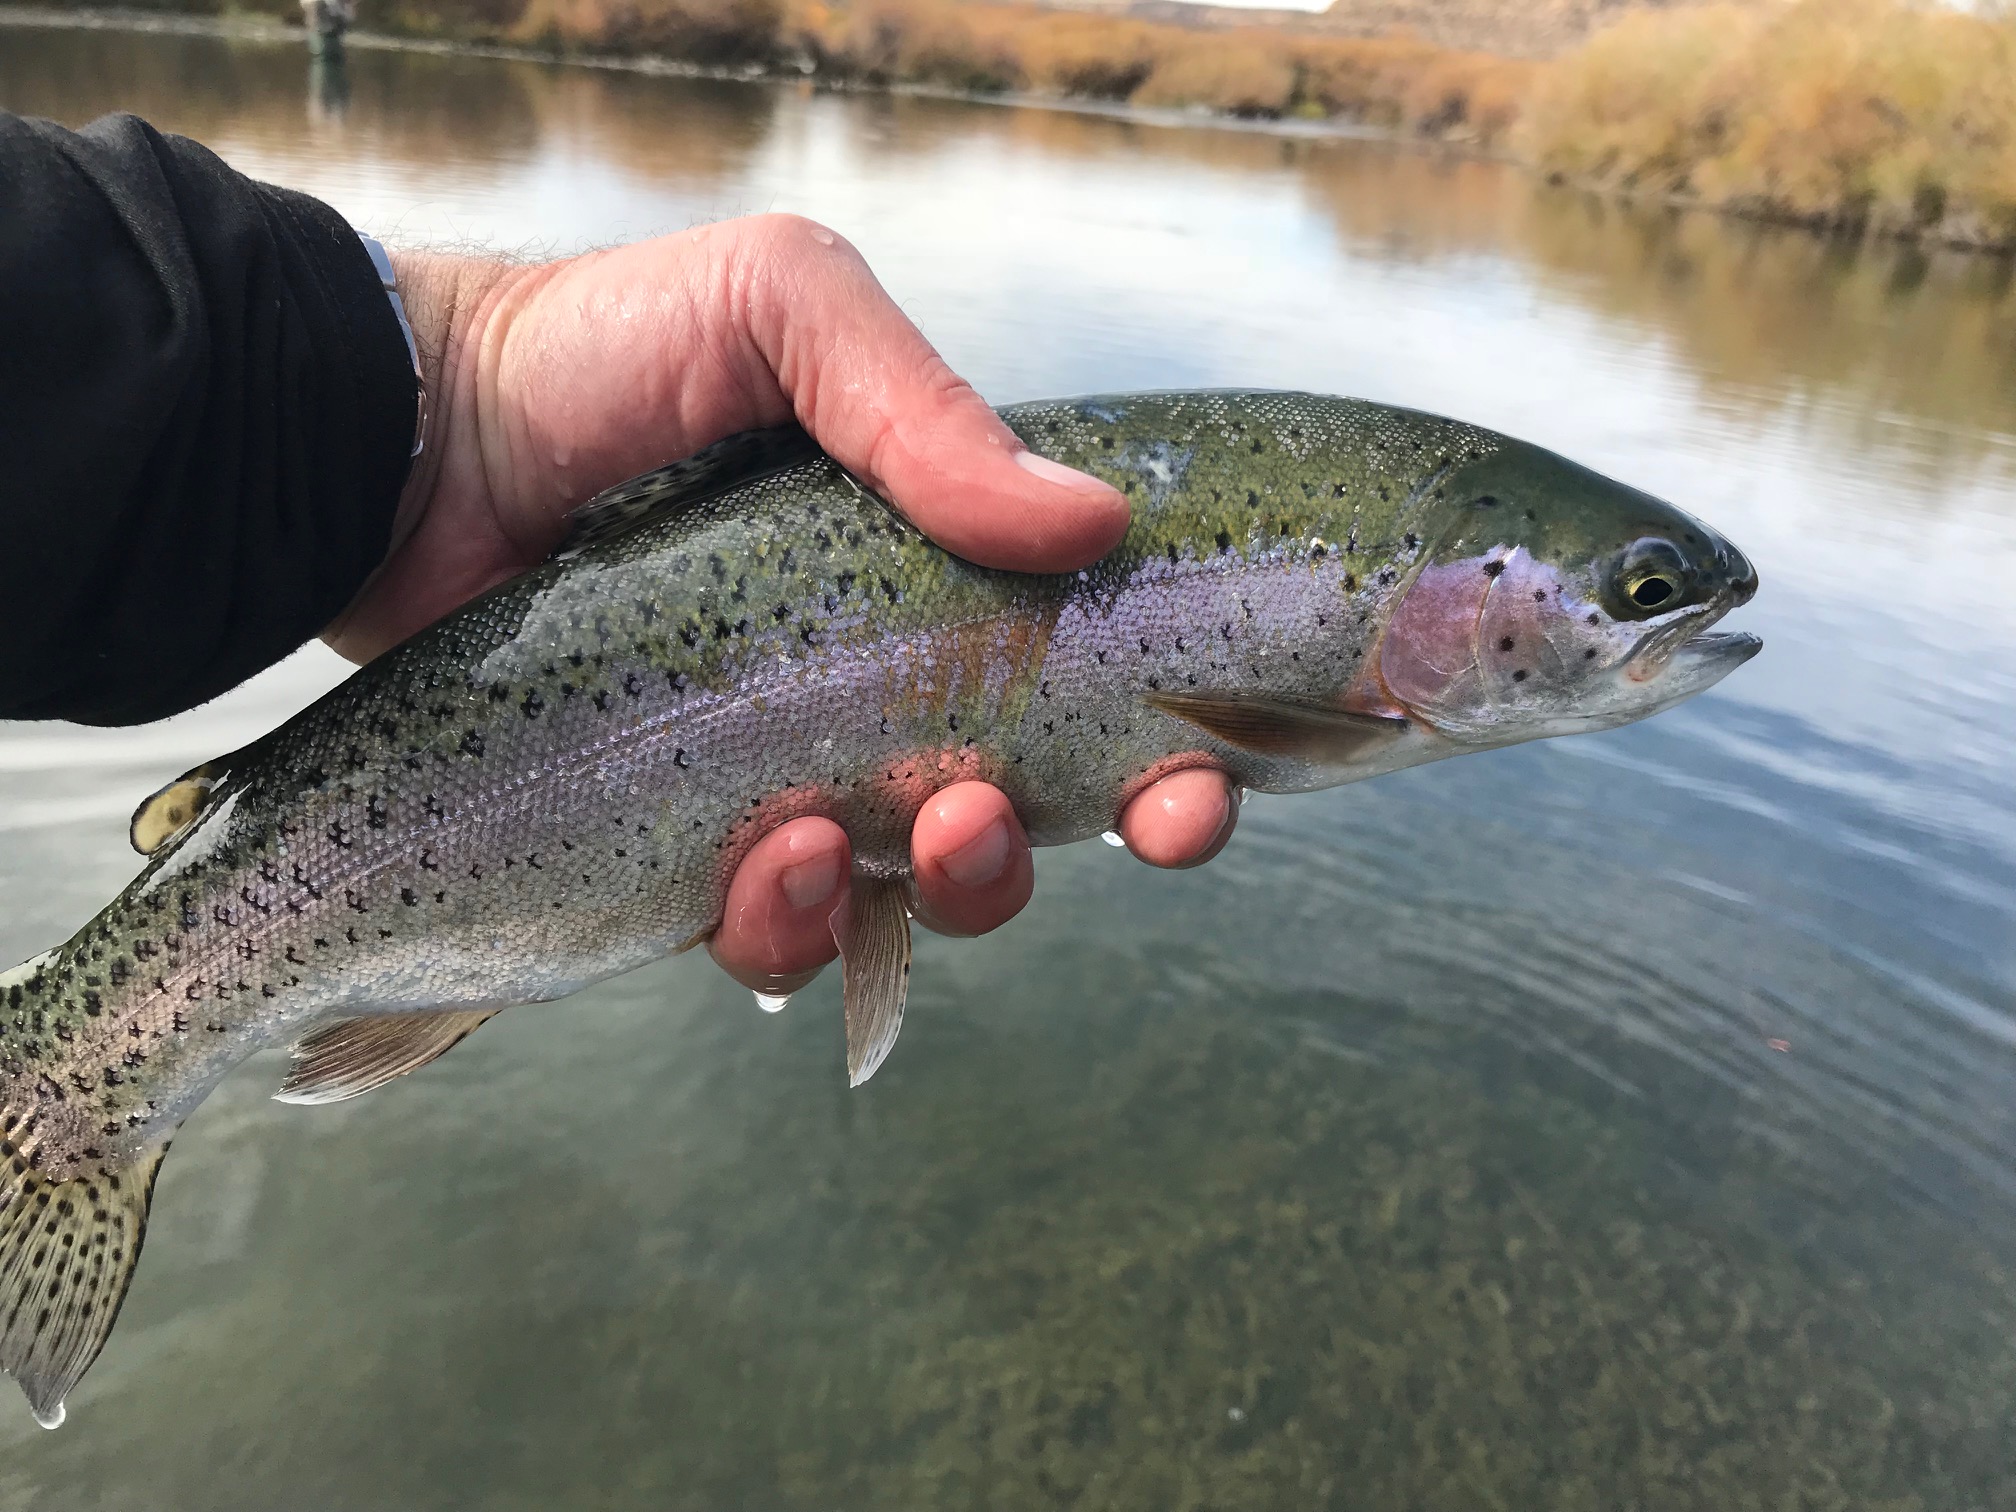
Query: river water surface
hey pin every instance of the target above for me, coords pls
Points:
(1627, 1121)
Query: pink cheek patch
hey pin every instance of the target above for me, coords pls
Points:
(1430, 649)
(1512, 635)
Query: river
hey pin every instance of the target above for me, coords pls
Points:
(1624, 1121)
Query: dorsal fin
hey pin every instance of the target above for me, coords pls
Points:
(706, 474)
(352, 1056)
(170, 810)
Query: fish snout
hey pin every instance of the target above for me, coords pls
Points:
(1738, 573)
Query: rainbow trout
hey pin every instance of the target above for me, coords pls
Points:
(554, 784)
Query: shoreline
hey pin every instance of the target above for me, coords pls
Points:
(262, 29)
(1826, 226)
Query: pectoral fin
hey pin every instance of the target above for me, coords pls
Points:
(1269, 726)
(872, 929)
(354, 1055)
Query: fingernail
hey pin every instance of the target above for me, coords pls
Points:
(1058, 473)
(809, 883)
(981, 859)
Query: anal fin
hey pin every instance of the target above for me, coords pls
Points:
(352, 1056)
(872, 929)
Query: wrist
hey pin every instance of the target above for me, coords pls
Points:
(448, 301)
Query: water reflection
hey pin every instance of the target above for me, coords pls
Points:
(1771, 320)
(328, 88)
(1628, 1120)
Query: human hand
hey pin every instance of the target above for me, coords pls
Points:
(548, 383)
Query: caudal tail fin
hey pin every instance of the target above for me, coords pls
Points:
(67, 1250)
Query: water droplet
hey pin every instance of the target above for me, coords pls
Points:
(1112, 838)
(53, 1418)
(822, 236)
(1240, 795)
(772, 1002)
(1237, 1414)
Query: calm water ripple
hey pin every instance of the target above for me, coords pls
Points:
(1627, 1121)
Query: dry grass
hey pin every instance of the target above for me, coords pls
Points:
(1895, 116)
(1854, 114)
(1257, 71)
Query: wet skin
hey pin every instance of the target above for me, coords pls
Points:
(548, 383)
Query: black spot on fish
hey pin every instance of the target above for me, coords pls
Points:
(1519, 676)
(1224, 541)
(634, 685)
(1492, 569)
(1485, 501)
(1590, 654)
(533, 703)
(1539, 595)
(409, 897)
(1505, 644)
(1594, 618)
(472, 743)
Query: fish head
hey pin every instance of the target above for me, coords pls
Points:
(1557, 601)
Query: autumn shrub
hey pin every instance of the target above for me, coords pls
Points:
(1849, 113)
(1243, 73)
(708, 32)
(1893, 115)
(1085, 56)
(1409, 84)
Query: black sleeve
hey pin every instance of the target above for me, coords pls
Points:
(206, 416)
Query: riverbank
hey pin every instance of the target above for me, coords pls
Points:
(1851, 117)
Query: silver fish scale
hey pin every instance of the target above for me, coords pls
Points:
(555, 783)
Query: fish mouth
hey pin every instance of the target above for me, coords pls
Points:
(1689, 652)
(1718, 654)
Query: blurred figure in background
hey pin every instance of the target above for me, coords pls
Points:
(326, 21)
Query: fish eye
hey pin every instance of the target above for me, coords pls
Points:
(1653, 591)
(1653, 576)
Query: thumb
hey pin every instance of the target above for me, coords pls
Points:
(872, 391)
